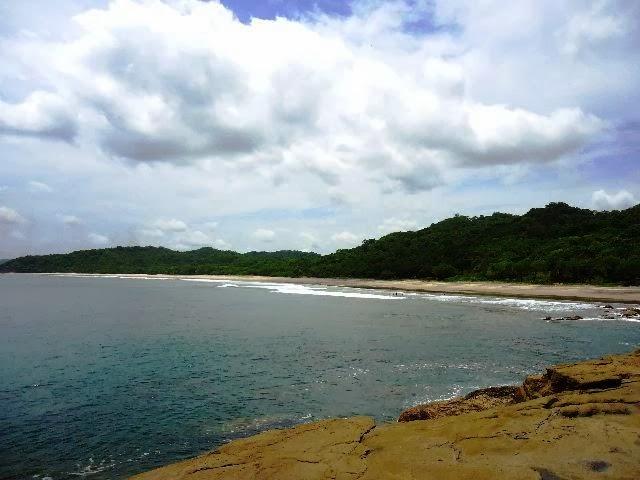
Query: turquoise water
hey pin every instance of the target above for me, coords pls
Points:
(107, 377)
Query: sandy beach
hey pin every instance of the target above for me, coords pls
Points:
(591, 293)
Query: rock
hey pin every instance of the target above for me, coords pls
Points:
(607, 306)
(630, 312)
(572, 422)
(474, 402)
(560, 319)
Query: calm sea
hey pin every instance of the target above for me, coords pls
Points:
(107, 377)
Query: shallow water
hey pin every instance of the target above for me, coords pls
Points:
(106, 377)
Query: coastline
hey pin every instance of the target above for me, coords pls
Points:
(574, 421)
(590, 293)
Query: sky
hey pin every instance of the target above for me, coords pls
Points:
(310, 125)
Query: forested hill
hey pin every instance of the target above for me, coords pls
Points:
(154, 260)
(557, 243)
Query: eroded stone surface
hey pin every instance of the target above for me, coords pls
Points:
(577, 421)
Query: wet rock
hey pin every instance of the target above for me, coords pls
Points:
(476, 401)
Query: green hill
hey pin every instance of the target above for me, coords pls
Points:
(557, 243)
(154, 260)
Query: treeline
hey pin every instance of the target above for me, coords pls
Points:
(557, 243)
(159, 260)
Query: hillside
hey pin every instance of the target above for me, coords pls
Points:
(153, 260)
(557, 243)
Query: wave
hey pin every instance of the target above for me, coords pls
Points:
(600, 319)
(519, 303)
(297, 289)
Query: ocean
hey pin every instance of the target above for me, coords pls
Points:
(105, 377)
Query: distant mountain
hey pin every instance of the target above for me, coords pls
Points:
(557, 243)
(3, 260)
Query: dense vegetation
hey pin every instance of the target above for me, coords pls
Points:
(154, 260)
(558, 243)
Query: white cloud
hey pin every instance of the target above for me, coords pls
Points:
(615, 201)
(264, 235)
(98, 239)
(170, 225)
(221, 244)
(39, 187)
(591, 28)
(41, 114)
(150, 232)
(395, 224)
(10, 216)
(70, 220)
(345, 238)
(197, 239)
(210, 225)
(284, 96)
(310, 242)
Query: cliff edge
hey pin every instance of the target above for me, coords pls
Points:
(578, 421)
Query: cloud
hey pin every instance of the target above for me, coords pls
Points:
(170, 225)
(10, 216)
(288, 96)
(345, 238)
(71, 220)
(264, 235)
(221, 244)
(615, 201)
(310, 242)
(197, 239)
(39, 187)
(41, 114)
(98, 239)
(592, 28)
(395, 224)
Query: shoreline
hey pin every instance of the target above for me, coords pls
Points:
(590, 293)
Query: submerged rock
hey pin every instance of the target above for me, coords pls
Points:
(578, 421)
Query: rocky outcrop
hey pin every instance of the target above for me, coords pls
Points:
(591, 375)
(579, 421)
(476, 401)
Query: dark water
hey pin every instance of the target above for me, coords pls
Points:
(107, 377)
